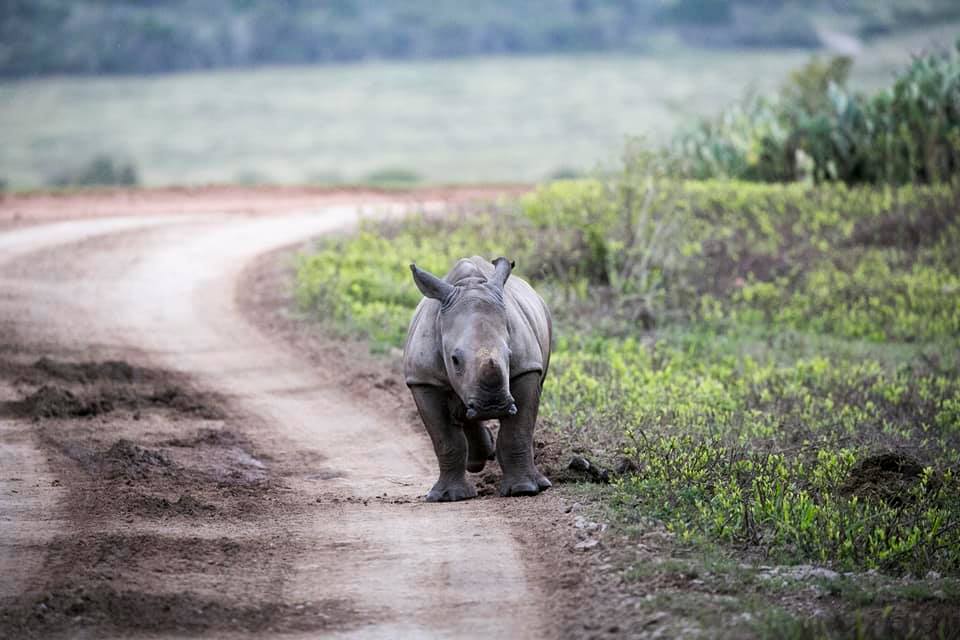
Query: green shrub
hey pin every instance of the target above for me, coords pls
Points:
(817, 129)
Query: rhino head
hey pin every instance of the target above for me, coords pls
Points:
(474, 339)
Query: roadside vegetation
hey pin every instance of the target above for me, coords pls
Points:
(767, 373)
(779, 363)
(816, 128)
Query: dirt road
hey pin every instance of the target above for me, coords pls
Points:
(169, 468)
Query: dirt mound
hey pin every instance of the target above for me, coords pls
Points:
(185, 505)
(210, 437)
(488, 480)
(888, 476)
(89, 372)
(904, 229)
(66, 610)
(56, 402)
(128, 460)
(107, 555)
(183, 401)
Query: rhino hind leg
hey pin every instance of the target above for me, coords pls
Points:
(480, 446)
(515, 441)
(449, 443)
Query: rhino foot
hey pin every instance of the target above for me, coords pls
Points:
(525, 485)
(451, 491)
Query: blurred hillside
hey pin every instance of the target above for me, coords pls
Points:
(148, 36)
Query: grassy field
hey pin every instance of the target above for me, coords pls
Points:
(769, 374)
(470, 120)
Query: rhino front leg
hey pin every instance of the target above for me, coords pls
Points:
(480, 447)
(449, 443)
(515, 440)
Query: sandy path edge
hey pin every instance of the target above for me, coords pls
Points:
(32, 208)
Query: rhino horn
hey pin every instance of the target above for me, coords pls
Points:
(501, 270)
(430, 285)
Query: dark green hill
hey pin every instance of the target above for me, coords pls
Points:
(148, 36)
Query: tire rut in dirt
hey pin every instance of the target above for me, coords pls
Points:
(155, 471)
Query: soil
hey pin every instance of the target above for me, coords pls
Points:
(33, 208)
(181, 455)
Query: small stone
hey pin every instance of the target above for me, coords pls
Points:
(655, 618)
(586, 545)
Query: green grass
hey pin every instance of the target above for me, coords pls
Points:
(801, 396)
(471, 120)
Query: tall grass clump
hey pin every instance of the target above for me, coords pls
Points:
(816, 128)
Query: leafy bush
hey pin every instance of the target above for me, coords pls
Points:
(101, 170)
(801, 394)
(815, 128)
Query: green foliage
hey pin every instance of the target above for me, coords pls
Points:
(126, 36)
(883, 16)
(815, 128)
(798, 507)
(801, 396)
(699, 12)
(393, 177)
(101, 170)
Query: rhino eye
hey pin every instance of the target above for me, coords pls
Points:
(455, 360)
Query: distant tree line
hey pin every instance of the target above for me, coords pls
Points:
(148, 36)
(127, 36)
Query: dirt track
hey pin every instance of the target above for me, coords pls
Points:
(213, 477)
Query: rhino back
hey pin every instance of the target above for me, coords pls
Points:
(530, 328)
(528, 323)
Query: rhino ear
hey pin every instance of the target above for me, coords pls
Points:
(430, 285)
(501, 270)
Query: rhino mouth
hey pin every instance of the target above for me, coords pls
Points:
(479, 410)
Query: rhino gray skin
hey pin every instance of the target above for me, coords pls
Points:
(478, 348)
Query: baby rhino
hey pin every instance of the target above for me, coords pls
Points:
(478, 349)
